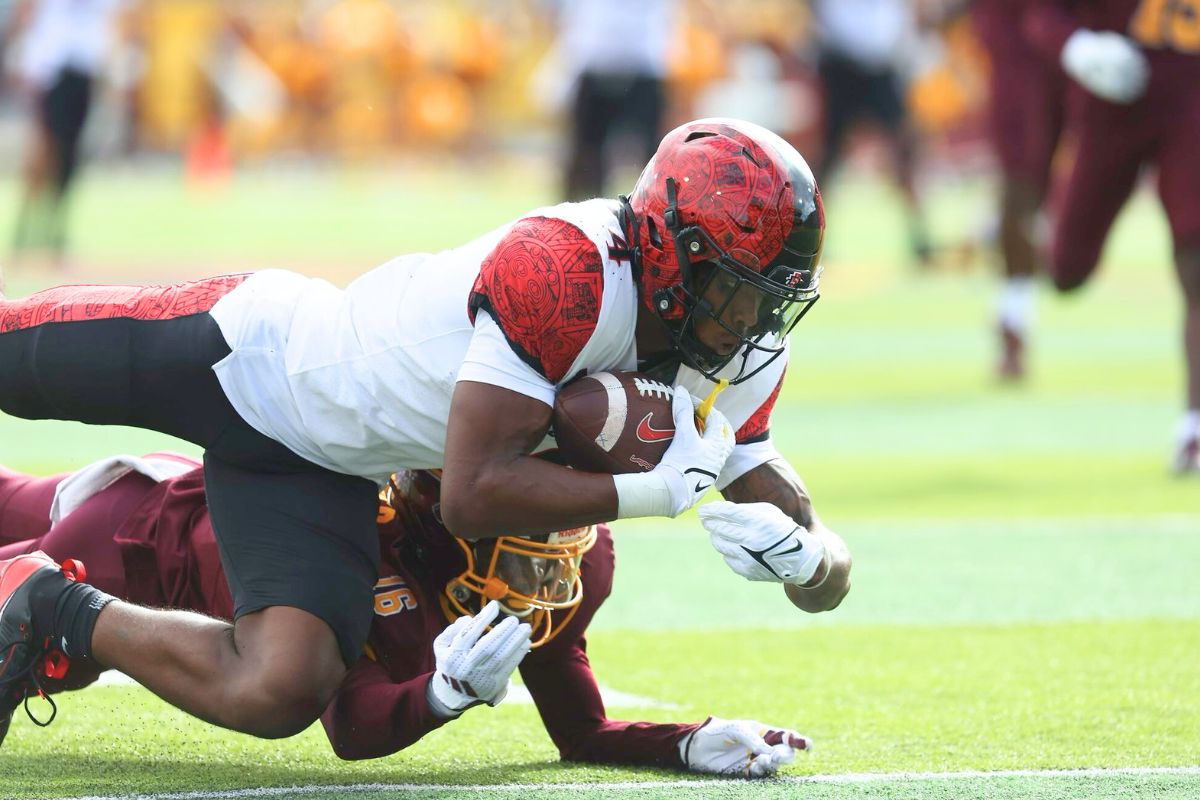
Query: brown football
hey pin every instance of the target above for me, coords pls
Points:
(613, 422)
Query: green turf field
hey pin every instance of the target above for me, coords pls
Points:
(1025, 618)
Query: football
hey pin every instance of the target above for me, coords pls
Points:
(613, 422)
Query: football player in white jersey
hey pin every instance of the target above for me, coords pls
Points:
(306, 397)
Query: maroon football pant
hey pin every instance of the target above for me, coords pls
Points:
(1025, 114)
(1114, 143)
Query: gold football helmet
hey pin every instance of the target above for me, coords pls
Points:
(535, 578)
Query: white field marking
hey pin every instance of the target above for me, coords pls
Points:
(517, 693)
(702, 783)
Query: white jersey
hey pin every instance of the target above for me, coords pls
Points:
(616, 37)
(67, 33)
(359, 380)
(877, 34)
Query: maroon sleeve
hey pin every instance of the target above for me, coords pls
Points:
(561, 682)
(373, 716)
(1048, 24)
(542, 284)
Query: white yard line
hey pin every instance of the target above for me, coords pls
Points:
(704, 783)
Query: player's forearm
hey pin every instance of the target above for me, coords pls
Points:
(523, 496)
(372, 716)
(648, 744)
(775, 482)
(831, 583)
(568, 700)
(491, 486)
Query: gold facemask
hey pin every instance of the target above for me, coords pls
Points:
(536, 579)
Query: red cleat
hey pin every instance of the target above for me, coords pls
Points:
(24, 656)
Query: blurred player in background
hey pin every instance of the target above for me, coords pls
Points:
(1139, 62)
(864, 55)
(612, 55)
(141, 528)
(307, 397)
(62, 45)
(1027, 103)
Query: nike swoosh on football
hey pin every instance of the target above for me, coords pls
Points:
(649, 434)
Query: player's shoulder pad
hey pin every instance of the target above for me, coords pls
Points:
(543, 284)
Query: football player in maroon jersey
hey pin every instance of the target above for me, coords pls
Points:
(306, 397)
(141, 528)
(1027, 102)
(1139, 62)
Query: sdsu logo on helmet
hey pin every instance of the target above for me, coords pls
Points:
(727, 205)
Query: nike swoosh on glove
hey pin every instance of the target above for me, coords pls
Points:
(474, 667)
(1107, 64)
(761, 543)
(740, 747)
(687, 470)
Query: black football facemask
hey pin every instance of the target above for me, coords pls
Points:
(756, 308)
(756, 311)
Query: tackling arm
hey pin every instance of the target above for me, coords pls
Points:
(568, 699)
(775, 482)
(372, 716)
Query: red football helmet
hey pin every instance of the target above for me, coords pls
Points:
(535, 578)
(727, 214)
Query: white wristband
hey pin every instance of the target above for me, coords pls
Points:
(643, 494)
(440, 708)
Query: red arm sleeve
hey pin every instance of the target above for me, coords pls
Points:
(561, 682)
(1047, 24)
(372, 716)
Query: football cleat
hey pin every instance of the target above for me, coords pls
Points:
(1187, 457)
(1012, 355)
(26, 657)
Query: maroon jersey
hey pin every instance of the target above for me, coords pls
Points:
(1114, 142)
(999, 24)
(381, 707)
(1168, 31)
(1026, 93)
(153, 544)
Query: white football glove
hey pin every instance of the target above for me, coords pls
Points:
(761, 543)
(1107, 64)
(740, 747)
(688, 468)
(474, 668)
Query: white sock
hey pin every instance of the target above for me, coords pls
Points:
(1015, 307)
(1189, 426)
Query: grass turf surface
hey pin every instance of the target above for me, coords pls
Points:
(1024, 581)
